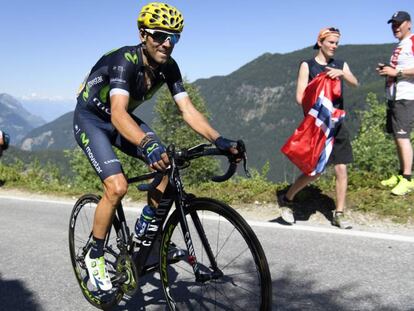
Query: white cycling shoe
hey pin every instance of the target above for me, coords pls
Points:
(98, 273)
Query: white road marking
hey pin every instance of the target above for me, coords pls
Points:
(263, 224)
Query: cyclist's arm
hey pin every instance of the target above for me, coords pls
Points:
(195, 119)
(122, 121)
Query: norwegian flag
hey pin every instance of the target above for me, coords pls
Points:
(311, 144)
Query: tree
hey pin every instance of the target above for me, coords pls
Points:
(171, 128)
(373, 150)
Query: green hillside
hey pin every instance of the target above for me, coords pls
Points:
(257, 102)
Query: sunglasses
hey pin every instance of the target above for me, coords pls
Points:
(334, 30)
(161, 36)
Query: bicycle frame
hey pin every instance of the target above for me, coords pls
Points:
(174, 193)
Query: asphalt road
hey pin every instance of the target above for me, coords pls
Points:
(313, 268)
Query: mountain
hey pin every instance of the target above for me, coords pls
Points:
(256, 103)
(56, 135)
(16, 120)
(48, 109)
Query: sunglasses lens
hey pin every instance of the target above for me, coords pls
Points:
(160, 37)
(174, 38)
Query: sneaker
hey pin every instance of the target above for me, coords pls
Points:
(98, 274)
(287, 215)
(286, 208)
(392, 181)
(340, 221)
(403, 187)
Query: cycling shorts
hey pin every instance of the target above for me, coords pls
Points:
(96, 137)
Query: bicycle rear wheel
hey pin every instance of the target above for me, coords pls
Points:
(80, 236)
(242, 280)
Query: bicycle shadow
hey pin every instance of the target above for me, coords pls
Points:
(15, 296)
(148, 297)
(306, 203)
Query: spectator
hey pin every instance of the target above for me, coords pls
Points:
(327, 43)
(399, 75)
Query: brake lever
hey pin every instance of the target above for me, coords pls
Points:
(246, 170)
(241, 148)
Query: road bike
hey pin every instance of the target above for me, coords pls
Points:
(209, 257)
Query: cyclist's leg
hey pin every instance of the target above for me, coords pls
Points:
(154, 197)
(92, 135)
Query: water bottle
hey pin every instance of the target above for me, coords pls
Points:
(143, 221)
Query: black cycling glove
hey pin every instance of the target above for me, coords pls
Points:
(225, 144)
(153, 150)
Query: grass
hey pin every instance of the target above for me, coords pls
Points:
(364, 194)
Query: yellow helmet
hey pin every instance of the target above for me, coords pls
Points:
(161, 15)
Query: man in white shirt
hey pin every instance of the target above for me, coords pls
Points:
(400, 95)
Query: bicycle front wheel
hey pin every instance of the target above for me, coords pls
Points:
(234, 269)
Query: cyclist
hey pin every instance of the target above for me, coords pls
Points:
(4, 141)
(120, 81)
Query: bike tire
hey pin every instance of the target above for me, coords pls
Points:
(80, 232)
(246, 282)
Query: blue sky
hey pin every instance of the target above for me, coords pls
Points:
(47, 47)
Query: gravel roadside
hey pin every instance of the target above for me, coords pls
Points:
(265, 212)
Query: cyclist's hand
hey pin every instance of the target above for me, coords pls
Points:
(156, 156)
(225, 144)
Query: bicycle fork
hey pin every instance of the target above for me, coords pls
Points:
(202, 277)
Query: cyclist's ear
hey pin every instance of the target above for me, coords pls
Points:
(143, 35)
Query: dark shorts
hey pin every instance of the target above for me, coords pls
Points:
(400, 117)
(342, 149)
(97, 136)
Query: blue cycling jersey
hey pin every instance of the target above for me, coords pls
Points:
(122, 71)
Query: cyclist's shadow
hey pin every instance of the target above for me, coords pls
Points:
(307, 202)
(149, 294)
(149, 291)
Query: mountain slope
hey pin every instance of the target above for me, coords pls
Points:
(16, 120)
(257, 102)
(55, 135)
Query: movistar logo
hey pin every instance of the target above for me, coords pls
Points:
(133, 58)
(84, 139)
(151, 148)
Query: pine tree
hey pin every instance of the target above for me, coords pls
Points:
(171, 128)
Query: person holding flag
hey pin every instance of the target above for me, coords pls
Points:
(333, 144)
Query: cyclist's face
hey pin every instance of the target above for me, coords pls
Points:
(158, 51)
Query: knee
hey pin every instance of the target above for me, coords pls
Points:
(116, 187)
(340, 171)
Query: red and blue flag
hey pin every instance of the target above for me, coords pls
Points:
(311, 144)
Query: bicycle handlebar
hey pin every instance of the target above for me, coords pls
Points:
(181, 157)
